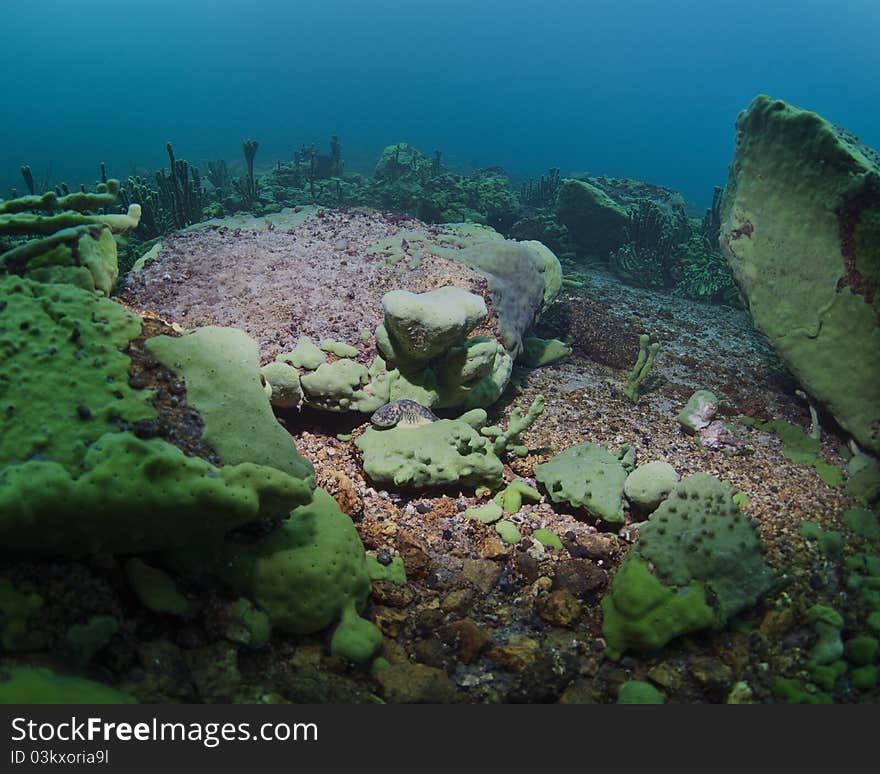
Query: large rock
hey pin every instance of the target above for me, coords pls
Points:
(595, 221)
(801, 232)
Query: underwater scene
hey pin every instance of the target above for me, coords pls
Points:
(474, 353)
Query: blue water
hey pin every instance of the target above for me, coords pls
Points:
(639, 88)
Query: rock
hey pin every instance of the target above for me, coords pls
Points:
(596, 546)
(666, 676)
(392, 594)
(214, 670)
(414, 683)
(482, 573)
(777, 622)
(493, 547)
(560, 608)
(430, 651)
(580, 577)
(416, 561)
(595, 221)
(519, 653)
(712, 673)
(457, 601)
(467, 639)
(698, 411)
(809, 272)
(389, 620)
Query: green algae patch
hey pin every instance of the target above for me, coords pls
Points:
(488, 513)
(587, 476)
(641, 613)
(698, 561)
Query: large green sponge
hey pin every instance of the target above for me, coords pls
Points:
(697, 562)
(221, 367)
(63, 376)
(136, 495)
(307, 575)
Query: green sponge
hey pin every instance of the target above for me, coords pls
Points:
(221, 367)
(587, 476)
(308, 574)
(35, 685)
(643, 614)
(638, 692)
(443, 453)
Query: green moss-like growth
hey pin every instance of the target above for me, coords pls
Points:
(649, 485)
(791, 691)
(422, 326)
(338, 348)
(64, 381)
(864, 678)
(511, 497)
(305, 355)
(35, 685)
(587, 476)
(19, 618)
(826, 675)
(394, 571)
(136, 495)
(282, 380)
(488, 513)
(861, 650)
(75, 243)
(339, 386)
(864, 479)
(519, 422)
(638, 692)
(808, 274)
(355, 638)
(828, 623)
(508, 531)
(71, 482)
